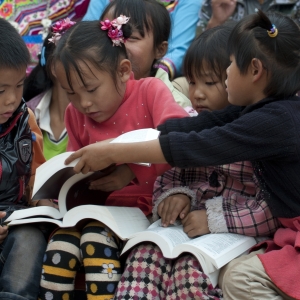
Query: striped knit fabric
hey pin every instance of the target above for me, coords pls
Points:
(96, 248)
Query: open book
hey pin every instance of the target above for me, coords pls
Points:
(213, 251)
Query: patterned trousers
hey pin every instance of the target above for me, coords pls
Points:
(96, 247)
(148, 275)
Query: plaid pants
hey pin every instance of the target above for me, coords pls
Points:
(148, 275)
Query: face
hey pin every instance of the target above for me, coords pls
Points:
(208, 92)
(11, 91)
(238, 85)
(141, 53)
(99, 98)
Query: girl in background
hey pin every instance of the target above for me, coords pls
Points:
(148, 43)
(90, 62)
(224, 198)
(48, 101)
(261, 126)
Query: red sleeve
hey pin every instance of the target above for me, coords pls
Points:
(72, 120)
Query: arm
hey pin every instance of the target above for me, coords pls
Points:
(95, 9)
(38, 157)
(243, 215)
(184, 19)
(71, 122)
(205, 120)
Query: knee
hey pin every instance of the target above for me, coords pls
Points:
(29, 235)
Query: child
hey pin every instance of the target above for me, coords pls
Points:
(224, 197)
(148, 42)
(184, 17)
(91, 64)
(22, 247)
(48, 101)
(262, 126)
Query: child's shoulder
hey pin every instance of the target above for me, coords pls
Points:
(150, 82)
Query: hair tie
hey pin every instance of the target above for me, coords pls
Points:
(59, 28)
(43, 58)
(115, 32)
(273, 31)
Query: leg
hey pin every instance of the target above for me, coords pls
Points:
(61, 262)
(21, 263)
(189, 282)
(146, 274)
(245, 278)
(100, 254)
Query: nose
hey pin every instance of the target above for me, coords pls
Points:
(198, 93)
(11, 98)
(85, 102)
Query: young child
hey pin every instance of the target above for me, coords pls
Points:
(261, 126)
(22, 247)
(184, 18)
(148, 42)
(91, 64)
(48, 101)
(225, 198)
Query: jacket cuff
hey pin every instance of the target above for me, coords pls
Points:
(178, 190)
(215, 217)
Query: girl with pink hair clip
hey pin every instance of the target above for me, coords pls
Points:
(90, 62)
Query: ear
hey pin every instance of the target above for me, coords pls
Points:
(124, 70)
(161, 50)
(257, 69)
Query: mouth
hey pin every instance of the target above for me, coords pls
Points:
(93, 114)
(7, 114)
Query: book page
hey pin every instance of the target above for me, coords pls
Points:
(219, 248)
(123, 221)
(139, 135)
(35, 211)
(34, 220)
(165, 237)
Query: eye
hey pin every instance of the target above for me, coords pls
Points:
(191, 82)
(1, 92)
(210, 82)
(20, 85)
(70, 93)
(92, 90)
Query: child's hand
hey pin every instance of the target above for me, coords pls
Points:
(195, 223)
(92, 158)
(3, 229)
(171, 208)
(46, 202)
(119, 178)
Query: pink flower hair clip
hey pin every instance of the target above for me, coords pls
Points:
(114, 29)
(59, 28)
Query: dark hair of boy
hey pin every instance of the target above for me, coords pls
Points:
(250, 39)
(149, 15)
(39, 80)
(87, 42)
(209, 47)
(13, 51)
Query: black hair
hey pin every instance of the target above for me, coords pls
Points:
(40, 78)
(87, 42)
(13, 51)
(209, 47)
(149, 15)
(279, 55)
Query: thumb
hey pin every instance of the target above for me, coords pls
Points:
(2, 214)
(184, 212)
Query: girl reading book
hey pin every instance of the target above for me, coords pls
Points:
(90, 62)
(262, 126)
(212, 199)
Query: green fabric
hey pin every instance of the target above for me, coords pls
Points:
(52, 148)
